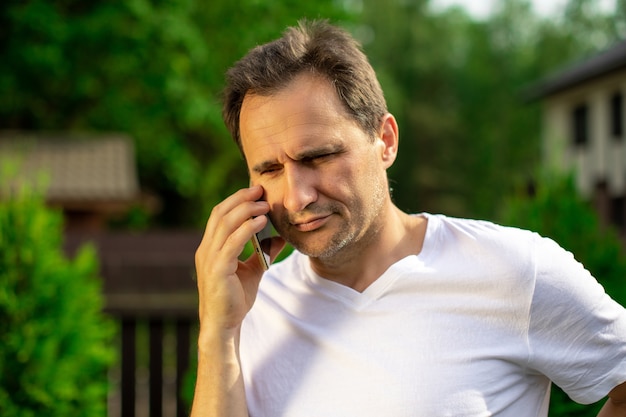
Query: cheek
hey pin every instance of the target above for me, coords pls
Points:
(276, 204)
(339, 181)
(369, 172)
(353, 176)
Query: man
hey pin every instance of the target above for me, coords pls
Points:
(377, 312)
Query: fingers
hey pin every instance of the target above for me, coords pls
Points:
(232, 223)
(226, 286)
(233, 203)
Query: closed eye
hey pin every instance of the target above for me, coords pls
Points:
(311, 157)
(315, 158)
(320, 153)
(270, 169)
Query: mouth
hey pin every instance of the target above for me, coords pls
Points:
(309, 225)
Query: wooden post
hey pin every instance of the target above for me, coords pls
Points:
(183, 335)
(128, 366)
(156, 367)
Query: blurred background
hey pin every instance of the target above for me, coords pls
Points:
(509, 110)
(454, 75)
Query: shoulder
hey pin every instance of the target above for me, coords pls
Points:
(482, 249)
(478, 232)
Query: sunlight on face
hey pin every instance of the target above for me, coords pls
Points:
(321, 172)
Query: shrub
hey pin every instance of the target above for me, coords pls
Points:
(55, 342)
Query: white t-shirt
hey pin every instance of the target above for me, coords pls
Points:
(477, 324)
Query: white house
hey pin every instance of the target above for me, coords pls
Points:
(583, 128)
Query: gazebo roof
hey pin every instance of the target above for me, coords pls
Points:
(76, 168)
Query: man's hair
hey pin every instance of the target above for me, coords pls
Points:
(316, 47)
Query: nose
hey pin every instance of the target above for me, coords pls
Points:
(299, 187)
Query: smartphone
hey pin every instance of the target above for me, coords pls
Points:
(261, 243)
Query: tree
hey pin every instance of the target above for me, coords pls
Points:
(153, 69)
(468, 137)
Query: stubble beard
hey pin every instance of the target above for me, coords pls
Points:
(303, 241)
(349, 238)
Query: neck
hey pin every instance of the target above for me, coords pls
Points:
(395, 235)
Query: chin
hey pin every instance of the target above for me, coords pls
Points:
(326, 250)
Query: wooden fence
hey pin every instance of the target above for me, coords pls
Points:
(151, 292)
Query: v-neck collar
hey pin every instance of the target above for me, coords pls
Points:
(359, 300)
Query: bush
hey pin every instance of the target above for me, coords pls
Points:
(556, 211)
(55, 343)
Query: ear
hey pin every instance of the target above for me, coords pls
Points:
(388, 138)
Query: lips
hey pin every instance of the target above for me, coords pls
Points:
(311, 224)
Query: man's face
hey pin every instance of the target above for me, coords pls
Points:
(323, 176)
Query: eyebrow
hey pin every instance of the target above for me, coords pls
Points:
(303, 155)
(258, 168)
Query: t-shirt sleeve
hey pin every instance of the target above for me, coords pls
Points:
(577, 333)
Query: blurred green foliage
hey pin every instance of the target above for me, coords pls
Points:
(153, 69)
(55, 343)
(456, 84)
(556, 210)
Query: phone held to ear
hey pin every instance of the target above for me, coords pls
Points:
(261, 242)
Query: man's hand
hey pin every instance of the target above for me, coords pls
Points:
(227, 288)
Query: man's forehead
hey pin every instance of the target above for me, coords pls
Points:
(289, 119)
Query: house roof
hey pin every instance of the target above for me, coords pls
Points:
(603, 63)
(86, 168)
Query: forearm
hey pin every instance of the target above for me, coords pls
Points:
(613, 409)
(615, 406)
(219, 384)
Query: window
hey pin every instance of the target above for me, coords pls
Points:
(580, 125)
(617, 120)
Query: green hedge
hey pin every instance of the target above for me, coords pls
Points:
(55, 343)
